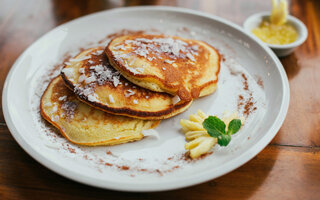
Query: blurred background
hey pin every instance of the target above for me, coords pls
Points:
(288, 168)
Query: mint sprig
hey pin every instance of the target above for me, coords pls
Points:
(217, 128)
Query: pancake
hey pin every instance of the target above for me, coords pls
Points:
(183, 67)
(85, 125)
(98, 84)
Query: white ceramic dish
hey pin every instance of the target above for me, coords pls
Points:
(152, 164)
(280, 50)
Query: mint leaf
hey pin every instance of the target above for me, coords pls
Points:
(215, 126)
(234, 126)
(223, 140)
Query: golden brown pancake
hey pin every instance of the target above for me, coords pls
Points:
(98, 84)
(85, 125)
(183, 67)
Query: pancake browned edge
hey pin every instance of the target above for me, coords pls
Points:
(184, 67)
(141, 103)
(85, 125)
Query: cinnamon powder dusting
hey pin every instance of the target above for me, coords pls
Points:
(123, 167)
(240, 101)
(186, 157)
(223, 58)
(245, 82)
(70, 149)
(260, 82)
(248, 105)
(245, 102)
(179, 158)
(86, 157)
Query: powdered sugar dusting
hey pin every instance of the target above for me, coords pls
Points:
(69, 107)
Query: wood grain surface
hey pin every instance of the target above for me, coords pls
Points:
(287, 169)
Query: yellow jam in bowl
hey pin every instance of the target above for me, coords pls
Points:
(276, 34)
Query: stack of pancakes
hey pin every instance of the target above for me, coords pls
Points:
(108, 96)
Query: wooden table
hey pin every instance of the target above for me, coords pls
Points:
(289, 168)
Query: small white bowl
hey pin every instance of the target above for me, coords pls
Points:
(280, 50)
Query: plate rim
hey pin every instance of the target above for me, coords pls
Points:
(201, 177)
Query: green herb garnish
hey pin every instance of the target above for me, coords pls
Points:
(217, 128)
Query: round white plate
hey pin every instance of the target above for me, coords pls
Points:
(152, 164)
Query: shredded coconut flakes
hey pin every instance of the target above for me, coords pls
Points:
(129, 93)
(63, 98)
(68, 72)
(111, 98)
(175, 99)
(93, 98)
(81, 70)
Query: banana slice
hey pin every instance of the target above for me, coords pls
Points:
(200, 146)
